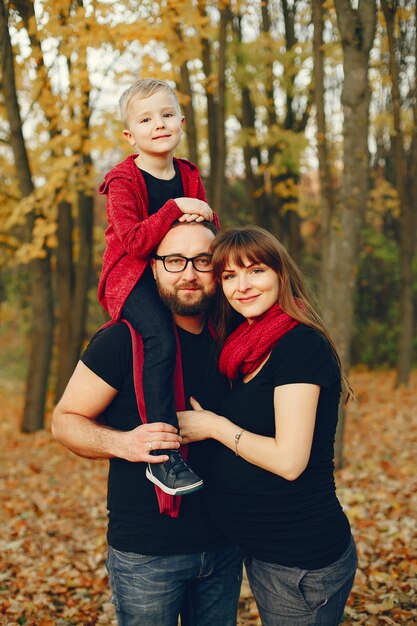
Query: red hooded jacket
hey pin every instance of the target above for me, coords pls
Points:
(132, 235)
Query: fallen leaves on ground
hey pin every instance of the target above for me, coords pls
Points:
(53, 520)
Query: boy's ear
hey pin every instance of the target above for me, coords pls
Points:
(182, 121)
(128, 135)
(152, 264)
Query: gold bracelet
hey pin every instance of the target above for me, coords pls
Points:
(237, 439)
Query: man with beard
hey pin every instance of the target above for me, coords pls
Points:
(160, 566)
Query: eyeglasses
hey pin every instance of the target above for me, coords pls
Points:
(177, 263)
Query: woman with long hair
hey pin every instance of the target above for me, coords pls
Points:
(271, 484)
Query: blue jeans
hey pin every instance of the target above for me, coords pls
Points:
(290, 596)
(203, 588)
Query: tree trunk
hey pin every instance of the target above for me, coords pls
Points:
(269, 83)
(326, 185)
(190, 125)
(211, 107)
(405, 197)
(73, 313)
(64, 251)
(357, 28)
(290, 41)
(184, 87)
(85, 221)
(218, 167)
(294, 235)
(41, 345)
(412, 170)
(64, 291)
(251, 155)
(39, 269)
(270, 214)
(283, 221)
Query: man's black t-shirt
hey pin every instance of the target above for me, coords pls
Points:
(296, 523)
(135, 524)
(161, 190)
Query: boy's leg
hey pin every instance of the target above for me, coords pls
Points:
(148, 315)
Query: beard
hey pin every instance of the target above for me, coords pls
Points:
(172, 300)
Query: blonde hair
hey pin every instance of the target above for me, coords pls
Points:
(258, 246)
(142, 89)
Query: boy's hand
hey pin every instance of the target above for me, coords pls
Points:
(191, 217)
(194, 210)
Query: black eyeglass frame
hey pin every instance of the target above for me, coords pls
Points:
(186, 259)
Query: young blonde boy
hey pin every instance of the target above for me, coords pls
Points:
(146, 193)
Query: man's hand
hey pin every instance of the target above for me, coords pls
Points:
(194, 210)
(139, 443)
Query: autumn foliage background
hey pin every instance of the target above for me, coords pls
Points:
(301, 115)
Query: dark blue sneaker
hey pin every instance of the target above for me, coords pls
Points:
(174, 476)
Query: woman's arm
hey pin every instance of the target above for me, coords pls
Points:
(287, 453)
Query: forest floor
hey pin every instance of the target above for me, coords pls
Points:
(53, 516)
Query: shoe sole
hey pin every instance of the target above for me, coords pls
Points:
(180, 491)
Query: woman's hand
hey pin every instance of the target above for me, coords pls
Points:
(196, 425)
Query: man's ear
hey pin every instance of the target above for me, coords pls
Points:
(152, 264)
(128, 135)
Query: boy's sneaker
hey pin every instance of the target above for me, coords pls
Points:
(174, 476)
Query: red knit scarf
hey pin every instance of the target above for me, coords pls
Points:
(250, 344)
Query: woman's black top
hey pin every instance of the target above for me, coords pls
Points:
(296, 523)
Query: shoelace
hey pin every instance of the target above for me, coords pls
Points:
(177, 462)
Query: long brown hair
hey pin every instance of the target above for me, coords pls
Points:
(257, 245)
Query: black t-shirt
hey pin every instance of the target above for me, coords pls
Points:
(135, 524)
(161, 190)
(292, 523)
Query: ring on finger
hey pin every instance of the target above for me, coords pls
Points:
(150, 445)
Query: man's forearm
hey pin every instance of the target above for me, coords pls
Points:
(86, 437)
